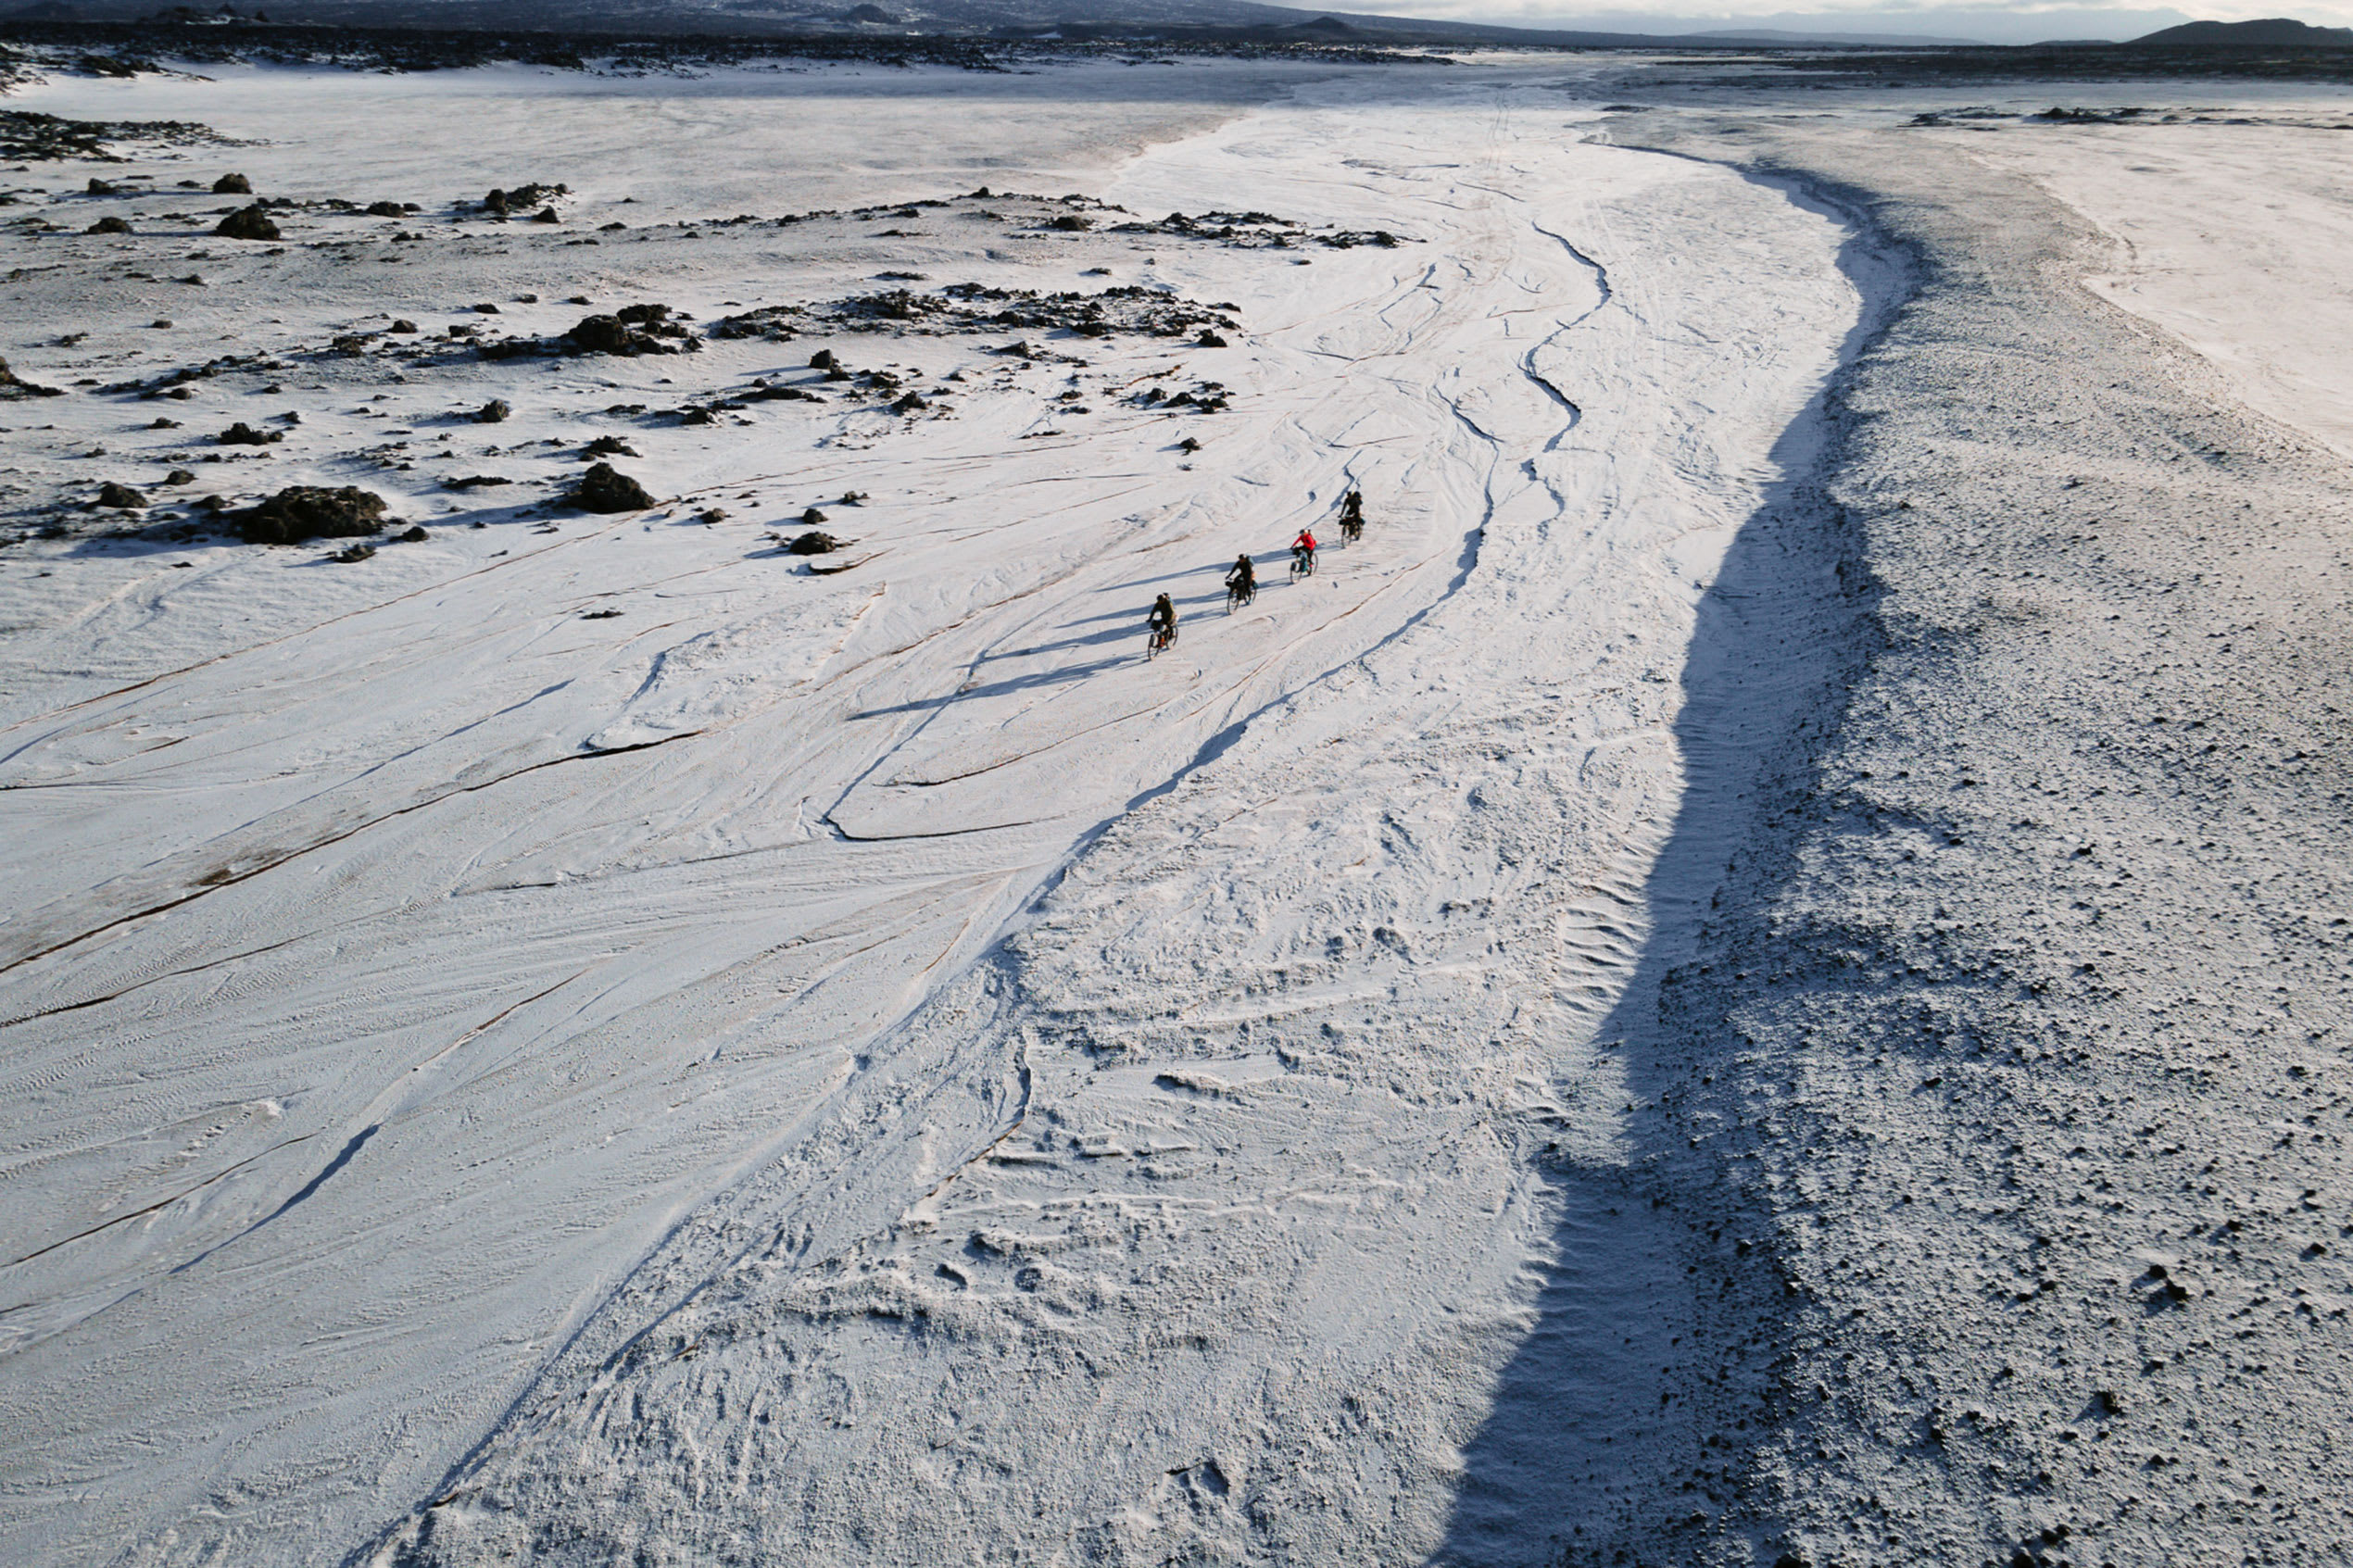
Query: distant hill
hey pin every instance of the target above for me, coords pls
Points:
(1779, 38)
(2270, 34)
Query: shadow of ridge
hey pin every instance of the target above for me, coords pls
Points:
(1624, 1426)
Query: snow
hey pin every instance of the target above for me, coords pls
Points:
(866, 1066)
(2232, 248)
(408, 978)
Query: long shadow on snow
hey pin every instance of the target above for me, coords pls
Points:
(1625, 1426)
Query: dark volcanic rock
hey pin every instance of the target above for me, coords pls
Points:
(600, 334)
(385, 209)
(493, 412)
(244, 434)
(10, 387)
(813, 544)
(604, 489)
(611, 446)
(233, 185)
(108, 226)
(310, 511)
(246, 224)
(635, 328)
(98, 187)
(120, 496)
(503, 202)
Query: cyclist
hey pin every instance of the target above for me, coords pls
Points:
(1162, 623)
(1352, 516)
(1303, 554)
(1241, 581)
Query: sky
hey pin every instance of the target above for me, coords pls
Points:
(2025, 22)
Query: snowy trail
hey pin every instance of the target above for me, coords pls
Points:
(1222, 1173)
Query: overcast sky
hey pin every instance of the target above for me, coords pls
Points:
(2023, 24)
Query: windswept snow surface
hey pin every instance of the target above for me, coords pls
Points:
(868, 1067)
(2233, 243)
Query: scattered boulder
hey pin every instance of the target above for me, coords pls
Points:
(611, 446)
(600, 334)
(159, 422)
(634, 328)
(312, 511)
(1209, 339)
(246, 224)
(545, 215)
(180, 476)
(244, 434)
(414, 534)
(485, 308)
(402, 324)
(386, 209)
(824, 360)
(912, 402)
(121, 497)
(1070, 222)
(350, 553)
(493, 412)
(521, 198)
(813, 544)
(108, 226)
(604, 489)
(233, 185)
(98, 187)
(11, 388)
(812, 517)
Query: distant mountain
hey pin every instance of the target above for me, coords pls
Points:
(1778, 38)
(1211, 22)
(2272, 33)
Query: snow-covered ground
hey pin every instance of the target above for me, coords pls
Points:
(577, 1037)
(377, 1008)
(2234, 245)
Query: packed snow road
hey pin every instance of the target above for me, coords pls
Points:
(791, 1067)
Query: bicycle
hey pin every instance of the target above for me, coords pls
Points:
(1351, 529)
(1239, 596)
(1303, 564)
(1161, 639)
